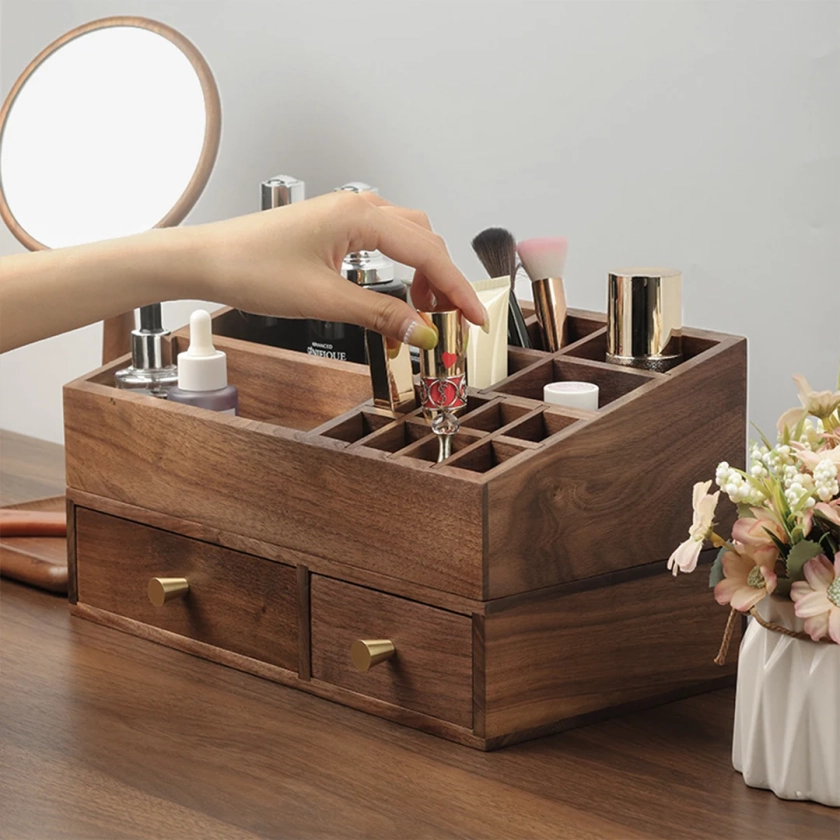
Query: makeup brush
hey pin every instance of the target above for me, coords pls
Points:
(544, 260)
(496, 248)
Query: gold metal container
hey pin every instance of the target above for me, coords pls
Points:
(443, 377)
(644, 318)
(443, 369)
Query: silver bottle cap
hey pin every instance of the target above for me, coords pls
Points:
(281, 190)
(365, 268)
(357, 187)
(149, 351)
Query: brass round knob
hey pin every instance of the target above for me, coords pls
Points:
(365, 653)
(163, 589)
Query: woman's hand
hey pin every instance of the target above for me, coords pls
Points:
(282, 262)
(287, 262)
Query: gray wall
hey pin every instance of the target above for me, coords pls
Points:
(703, 135)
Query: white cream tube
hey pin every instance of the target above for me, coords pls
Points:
(487, 361)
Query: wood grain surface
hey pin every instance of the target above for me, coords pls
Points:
(104, 735)
(557, 657)
(272, 487)
(242, 603)
(617, 492)
(432, 669)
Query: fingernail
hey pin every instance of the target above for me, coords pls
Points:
(485, 324)
(420, 334)
(393, 347)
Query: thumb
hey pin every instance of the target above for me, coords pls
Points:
(384, 314)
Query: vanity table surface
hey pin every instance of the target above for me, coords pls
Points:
(105, 735)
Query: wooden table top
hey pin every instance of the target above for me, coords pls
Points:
(104, 735)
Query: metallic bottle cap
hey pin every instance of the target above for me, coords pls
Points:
(280, 191)
(149, 351)
(357, 187)
(644, 318)
(365, 268)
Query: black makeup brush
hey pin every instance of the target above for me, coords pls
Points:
(496, 248)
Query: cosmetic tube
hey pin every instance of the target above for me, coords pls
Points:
(391, 375)
(644, 318)
(487, 360)
(443, 377)
(572, 395)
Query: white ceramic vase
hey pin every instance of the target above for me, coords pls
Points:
(787, 710)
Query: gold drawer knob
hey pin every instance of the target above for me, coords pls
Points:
(163, 589)
(365, 653)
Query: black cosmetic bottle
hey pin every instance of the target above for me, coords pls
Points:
(370, 270)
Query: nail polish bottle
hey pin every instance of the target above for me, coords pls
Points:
(290, 333)
(369, 269)
(151, 371)
(202, 371)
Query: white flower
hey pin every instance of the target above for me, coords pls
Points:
(825, 480)
(684, 558)
(736, 486)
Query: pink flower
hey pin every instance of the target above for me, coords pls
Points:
(753, 533)
(819, 403)
(817, 598)
(812, 459)
(744, 583)
(684, 558)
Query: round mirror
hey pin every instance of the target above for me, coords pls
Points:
(113, 129)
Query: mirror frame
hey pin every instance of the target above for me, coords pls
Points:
(212, 105)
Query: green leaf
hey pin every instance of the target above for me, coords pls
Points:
(745, 511)
(762, 436)
(799, 555)
(779, 544)
(716, 573)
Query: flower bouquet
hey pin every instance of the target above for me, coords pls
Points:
(787, 537)
(784, 544)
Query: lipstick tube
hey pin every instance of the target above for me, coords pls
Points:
(644, 318)
(443, 377)
(391, 375)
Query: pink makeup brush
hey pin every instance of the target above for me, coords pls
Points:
(544, 260)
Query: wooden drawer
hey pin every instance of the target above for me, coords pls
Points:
(431, 671)
(236, 601)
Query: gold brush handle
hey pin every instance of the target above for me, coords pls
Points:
(365, 653)
(163, 589)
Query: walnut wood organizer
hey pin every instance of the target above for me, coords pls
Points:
(522, 582)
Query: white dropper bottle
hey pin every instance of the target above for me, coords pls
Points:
(202, 371)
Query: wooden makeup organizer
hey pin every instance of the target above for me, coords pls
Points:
(521, 583)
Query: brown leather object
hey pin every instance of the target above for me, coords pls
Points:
(38, 559)
(32, 523)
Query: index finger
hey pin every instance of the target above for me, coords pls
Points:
(408, 243)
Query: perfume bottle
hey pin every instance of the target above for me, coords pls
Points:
(290, 333)
(151, 370)
(368, 269)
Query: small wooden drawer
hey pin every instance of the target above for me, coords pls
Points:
(235, 601)
(431, 669)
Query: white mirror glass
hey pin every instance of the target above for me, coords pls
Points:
(103, 138)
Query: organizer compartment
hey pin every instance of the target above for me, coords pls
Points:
(594, 347)
(613, 381)
(485, 457)
(540, 425)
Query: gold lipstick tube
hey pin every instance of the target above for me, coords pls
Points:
(443, 377)
(644, 318)
(390, 375)
(550, 307)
